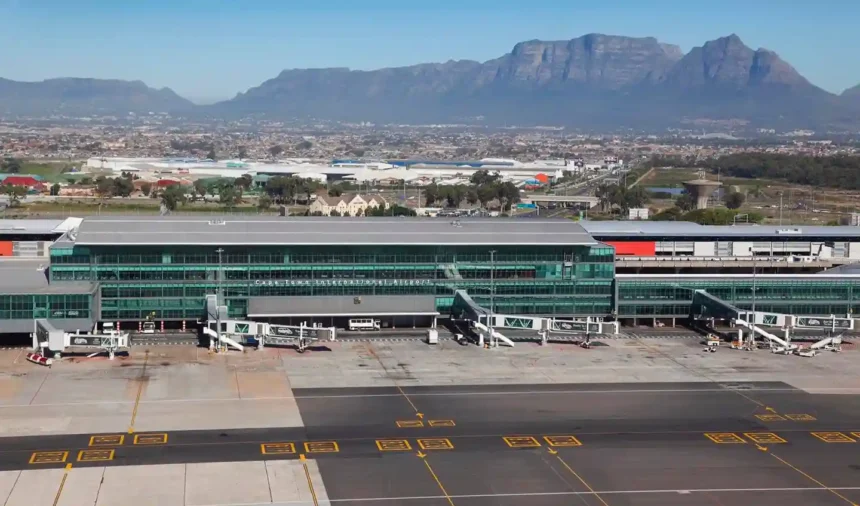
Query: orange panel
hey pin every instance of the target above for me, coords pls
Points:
(635, 248)
(5, 248)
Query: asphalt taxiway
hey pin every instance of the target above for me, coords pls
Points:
(551, 444)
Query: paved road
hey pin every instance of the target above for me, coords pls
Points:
(600, 445)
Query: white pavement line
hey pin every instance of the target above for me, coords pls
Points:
(551, 494)
(567, 392)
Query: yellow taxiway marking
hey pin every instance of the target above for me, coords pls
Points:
(423, 457)
(770, 417)
(725, 438)
(764, 437)
(441, 423)
(562, 441)
(62, 484)
(833, 437)
(436, 444)
(578, 477)
(801, 417)
(410, 424)
(277, 448)
(107, 440)
(310, 481)
(95, 455)
(156, 438)
(521, 441)
(810, 478)
(393, 445)
(139, 392)
(321, 447)
(49, 457)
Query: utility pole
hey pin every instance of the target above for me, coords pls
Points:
(218, 297)
(752, 338)
(492, 295)
(780, 207)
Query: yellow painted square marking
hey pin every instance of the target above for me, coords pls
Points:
(393, 445)
(802, 417)
(108, 440)
(410, 424)
(770, 417)
(435, 444)
(833, 437)
(856, 434)
(48, 457)
(764, 437)
(442, 423)
(521, 441)
(95, 455)
(562, 441)
(277, 448)
(321, 447)
(725, 438)
(150, 439)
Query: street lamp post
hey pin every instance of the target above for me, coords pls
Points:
(752, 337)
(218, 297)
(492, 295)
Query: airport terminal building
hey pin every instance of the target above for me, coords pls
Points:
(405, 272)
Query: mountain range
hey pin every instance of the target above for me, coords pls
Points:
(593, 81)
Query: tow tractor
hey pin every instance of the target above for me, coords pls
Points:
(712, 342)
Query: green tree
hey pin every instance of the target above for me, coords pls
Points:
(104, 187)
(173, 196)
(146, 189)
(264, 202)
(122, 187)
(304, 145)
(212, 155)
(335, 192)
(243, 152)
(11, 166)
(200, 188)
(483, 176)
(735, 200)
(244, 182)
(685, 202)
(14, 192)
(86, 181)
(334, 212)
(55, 189)
(276, 150)
(431, 194)
(229, 195)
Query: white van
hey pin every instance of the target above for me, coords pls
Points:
(363, 324)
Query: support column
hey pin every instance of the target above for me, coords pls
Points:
(673, 322)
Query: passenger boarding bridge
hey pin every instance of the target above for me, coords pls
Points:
(706, 306)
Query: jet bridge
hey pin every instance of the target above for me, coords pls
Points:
(240, 333)
(466, 309)
(706, 305)
(48, 340)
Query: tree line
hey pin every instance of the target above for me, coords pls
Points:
(837, 171)
(485, 188)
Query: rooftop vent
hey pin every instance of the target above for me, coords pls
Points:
(456, 223)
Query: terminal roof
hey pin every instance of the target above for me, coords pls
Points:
(261, 230)
(686, 229)
(19, 277)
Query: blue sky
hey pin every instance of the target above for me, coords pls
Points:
(212, 49)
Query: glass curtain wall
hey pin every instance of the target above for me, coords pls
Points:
(172, 282)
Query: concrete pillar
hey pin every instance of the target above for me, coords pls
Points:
(162, 326)
(673, 322)
(654, 322)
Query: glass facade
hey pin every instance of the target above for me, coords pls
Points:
(171, 282)
(800, 296)
(30, 307)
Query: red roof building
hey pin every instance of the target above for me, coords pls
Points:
(164, 183)
(20, 181)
